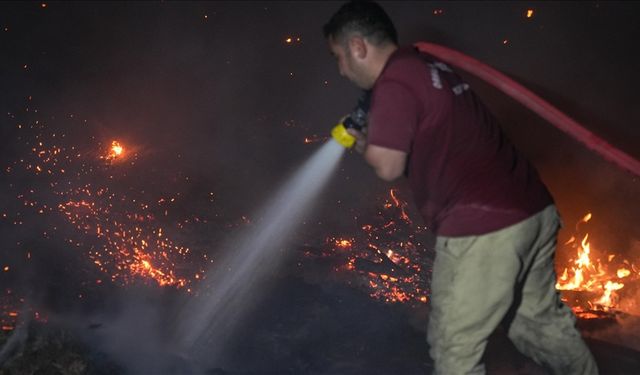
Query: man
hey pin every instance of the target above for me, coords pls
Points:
(495, 221)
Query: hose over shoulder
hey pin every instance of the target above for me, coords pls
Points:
(534, 103)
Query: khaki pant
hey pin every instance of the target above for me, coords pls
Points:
(508, 275)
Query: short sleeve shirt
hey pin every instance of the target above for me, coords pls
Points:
(466, 177)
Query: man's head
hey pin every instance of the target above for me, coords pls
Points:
(361, 36)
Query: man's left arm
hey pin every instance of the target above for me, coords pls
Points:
(388, 163)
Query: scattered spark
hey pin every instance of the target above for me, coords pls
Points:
(505, 41)
(291, 40)
(314, 139)
(438, 12)
(119, 234)
(43, 5)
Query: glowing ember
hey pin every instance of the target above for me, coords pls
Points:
(130, 243)
(120, 234)
(400, 205)
(392, 275)
(12, 308)
(529, 13)
(342, 243)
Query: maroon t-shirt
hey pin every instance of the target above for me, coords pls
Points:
(466, 177)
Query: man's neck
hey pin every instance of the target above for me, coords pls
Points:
(381, 56)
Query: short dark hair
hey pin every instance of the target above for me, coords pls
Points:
(366, 18)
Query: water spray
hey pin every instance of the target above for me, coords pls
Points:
(208, 324)
(233, 286)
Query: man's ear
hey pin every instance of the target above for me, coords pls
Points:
(358, 47)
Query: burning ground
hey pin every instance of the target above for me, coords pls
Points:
(366, 287)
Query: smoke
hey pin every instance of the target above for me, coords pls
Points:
(15, 342)
(621, 331)
(128, 334)
(136, 336)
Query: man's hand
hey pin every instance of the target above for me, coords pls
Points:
(361, 139)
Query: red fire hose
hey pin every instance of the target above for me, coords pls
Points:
(534, 103)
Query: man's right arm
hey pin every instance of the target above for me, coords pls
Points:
(389, 164)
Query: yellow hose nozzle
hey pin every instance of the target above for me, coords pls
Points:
(340, 134)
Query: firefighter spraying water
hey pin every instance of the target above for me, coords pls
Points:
(469, 184)
(232, 285)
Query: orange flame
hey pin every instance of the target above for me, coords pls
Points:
(401, 206)
(116, 151)
(587, 275)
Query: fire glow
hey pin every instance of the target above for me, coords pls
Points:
(392, 270)
(604, 280)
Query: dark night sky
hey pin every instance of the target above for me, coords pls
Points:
(211, 92)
